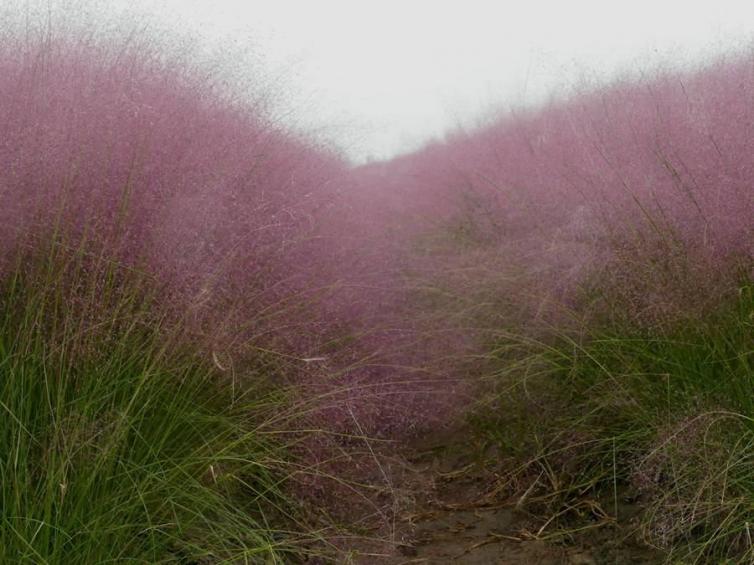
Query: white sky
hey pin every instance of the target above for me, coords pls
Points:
(381, 77)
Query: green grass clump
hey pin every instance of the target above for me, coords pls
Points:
(661, 417)
(118, 442)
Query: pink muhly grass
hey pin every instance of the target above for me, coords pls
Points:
(638, 191)
(643, 185)
(123, 151)
(113, 143)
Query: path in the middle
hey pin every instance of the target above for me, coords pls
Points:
(450, 520)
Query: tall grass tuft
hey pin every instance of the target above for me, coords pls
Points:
(160, 267)
(660, 417)
(119, 443)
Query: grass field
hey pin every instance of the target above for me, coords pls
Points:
(215, 331)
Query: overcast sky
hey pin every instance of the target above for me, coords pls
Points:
(381, 77)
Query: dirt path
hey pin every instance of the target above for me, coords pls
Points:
(447, 518)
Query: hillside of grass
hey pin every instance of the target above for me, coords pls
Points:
(218, 338)
(588, 269)
(158, 302)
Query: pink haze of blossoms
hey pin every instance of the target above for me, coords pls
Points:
(642, 187)
(268, 238)
(166, 170)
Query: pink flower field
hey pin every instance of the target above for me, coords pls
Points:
(579, 271)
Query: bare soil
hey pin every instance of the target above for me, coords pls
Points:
(447, 516)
